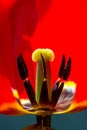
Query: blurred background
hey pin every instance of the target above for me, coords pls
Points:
(59, 122)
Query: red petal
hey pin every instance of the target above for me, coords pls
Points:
(5, 91)
(8, 104)
(23, 20)
(17, 19)
(6, 68)
(42, 6)
(64, 29)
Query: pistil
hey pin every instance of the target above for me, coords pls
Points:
(43, 71)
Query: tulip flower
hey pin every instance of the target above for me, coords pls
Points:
(46, 39)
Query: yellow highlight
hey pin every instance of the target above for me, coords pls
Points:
(13, 108)
(70, 84)
(47, 54)
(15, 93)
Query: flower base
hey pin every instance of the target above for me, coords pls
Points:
(43, 123)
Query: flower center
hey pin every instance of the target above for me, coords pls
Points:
(44, 98)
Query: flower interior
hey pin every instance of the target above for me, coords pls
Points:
(46, 99)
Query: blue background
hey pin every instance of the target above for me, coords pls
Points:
(59, 122)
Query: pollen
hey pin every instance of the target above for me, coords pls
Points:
(48, 54)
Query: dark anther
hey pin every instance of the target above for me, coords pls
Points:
(56, 93)
(67, 69)
(44, 99)
(22, 67)
(62, 66)
(56, 85)
(30, 92)
(44, 68)
(64, 70)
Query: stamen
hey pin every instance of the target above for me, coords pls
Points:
(30, 92)
(62, 67)
(56, 85)
(44, 98)
(67, 69)
(64, 70)
(23, 71)
(56, 93)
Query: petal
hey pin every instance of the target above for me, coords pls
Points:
(12, 108)
(77, 106)
(66, 98)
(42, 7)
(6, 57)
(74, 107)
(18, 18)
(8, 104)
(7, 4)
(63, 29)
(5, 91)
(24, 103)
(23, 18)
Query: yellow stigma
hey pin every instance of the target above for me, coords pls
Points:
(48, 54)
